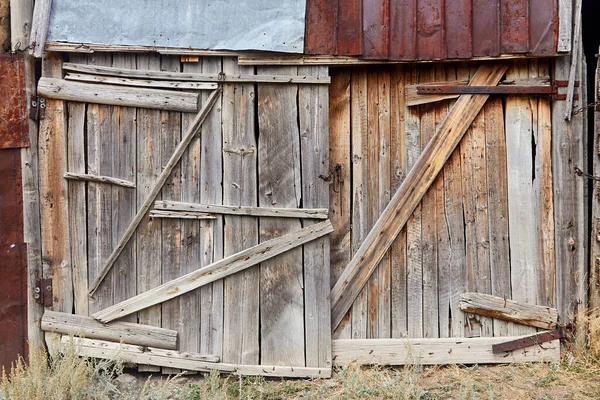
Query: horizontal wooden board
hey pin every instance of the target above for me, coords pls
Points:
(110, 80)
(314, 213)
(437, 351)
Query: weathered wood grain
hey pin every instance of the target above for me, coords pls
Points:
(39, 27)
(215, 271)
(565, 26)
(96, 178)
(313, 106)
(179, 215)
(156, 187)
(187, 361)
(197, 77)
(243, 210)
(241, 290)
(125, 332)
(410, 192)
(147, 83)
(509, 310)
(116, 95)
(437, 351)
(279, 181)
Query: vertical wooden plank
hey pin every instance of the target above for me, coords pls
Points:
(475, 201)
(54, 216)
(459, 28)
(543, 23)
(514, 17)
(414, 245)
(340, 181)
(520, 169)
(360, 179)
(78, 206)
(497, 205)
(384, 196)
(430, 30)
(595, 202)
(428, 222)
(189, 336)
(565, 25)
(211, 239)
(124, 208)
(486, 28)
(373, 154)
(149, 233)
(398, 172)
(170, 136)
(403, 30)
(321, 27)
(279, 186)
(241, 290)
(376, 17)
(313, 106)
(349, 28)
(567, 152)
(99, 196)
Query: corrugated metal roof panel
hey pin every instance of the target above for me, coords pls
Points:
(424, 30)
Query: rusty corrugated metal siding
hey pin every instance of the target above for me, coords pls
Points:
(14, 128)
(423, 30)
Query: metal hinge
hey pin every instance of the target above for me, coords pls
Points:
(42, 293)
(542, 90)
(37, 108)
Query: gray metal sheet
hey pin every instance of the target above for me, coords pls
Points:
(269, 25)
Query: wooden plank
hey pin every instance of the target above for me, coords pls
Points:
(125, 332)
(398, 171)
(410, 193)
(241, 307)
(149, 199)
(565, 26)
(118, 96)
(576, 55)
(147, 83)
(78, 206)
(509, 310)
(56, 248)
(171, 243)
(403, 30)
(521, 208)
(21, 14)
(98, 178)
(279, 181)
(514, 29)
(39, 27)
(497, 205)
(195, 77)
(376, 29)
(430, 30)
(595, 207)
(242, 210)
(215, 271)
(180, 215)
(414, 247)
(437, 351)
(339, 173)
(313, 106)
(211, 231)
(187, 361)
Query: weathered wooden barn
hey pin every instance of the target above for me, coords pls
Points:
(274, 188)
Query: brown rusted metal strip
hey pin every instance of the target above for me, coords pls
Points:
(376, 17)
(403, 30)
(349, 28)
(528, 341)
(514, 22)
(459, 29)
(11, 199)
(320, 27)
(430, 31)
(486, 28)
(504, 89)
(543, 27)
(14, 124)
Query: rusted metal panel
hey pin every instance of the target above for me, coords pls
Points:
(459, 28)
(11, 199)
(514, 17)
(13, 308)
(430, 31)
(486, 28)
(403, 30)
(425, 30)
(543, 27)
(349, 35)
(321, 33)
(14, 124)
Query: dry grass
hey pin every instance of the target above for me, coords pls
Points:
(576, 376)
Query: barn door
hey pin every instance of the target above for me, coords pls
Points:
(259, 159)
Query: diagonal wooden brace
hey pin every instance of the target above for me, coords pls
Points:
(160, 182)
(410, 193)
